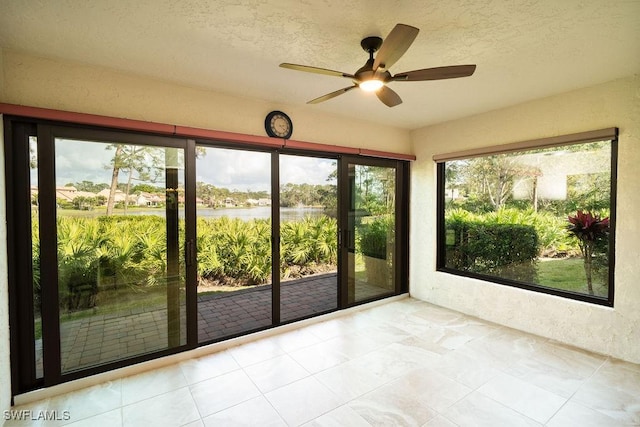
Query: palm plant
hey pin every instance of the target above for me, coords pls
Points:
(296, 246)
(209, 263)
(325, 239)
(308, 243)
(35, 256)
(79, 242)
(258, 266)
(589, 229)
(152, 243)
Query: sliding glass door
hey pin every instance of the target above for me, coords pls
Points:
(136, 246)
(234, 229)
(121, 283)
(107, 244)
(371, 221)
(308, 236)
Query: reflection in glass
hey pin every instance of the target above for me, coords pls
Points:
(35, 254)
(308, 236)
(509, 216)
(233, 242)
(371, 236)
(120, 274)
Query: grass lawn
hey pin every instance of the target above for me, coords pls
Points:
(568, 274)
(102, 211)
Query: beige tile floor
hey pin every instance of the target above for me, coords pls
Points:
(402, 363)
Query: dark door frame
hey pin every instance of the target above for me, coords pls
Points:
(401, 255)
(17, 132)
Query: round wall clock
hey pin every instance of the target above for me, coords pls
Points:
(278, 125)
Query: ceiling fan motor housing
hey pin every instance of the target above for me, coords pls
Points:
(375, 75)
(371, 44)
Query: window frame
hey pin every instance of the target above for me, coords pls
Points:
(610, 134)
(18, 128)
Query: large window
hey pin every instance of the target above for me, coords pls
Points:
(125, 246)
(540, 217)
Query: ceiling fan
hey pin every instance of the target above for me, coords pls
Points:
(374, 75)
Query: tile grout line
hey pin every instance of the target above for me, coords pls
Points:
(582, 383)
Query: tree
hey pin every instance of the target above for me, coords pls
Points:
(88, 186)
(375, 189)
(147, 188)
(452, 177)
(491, 179)
(147, 162)
(116, 164)
(84, 203)
(589, 229)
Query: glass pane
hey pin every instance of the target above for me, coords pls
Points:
(120, 274)
(372, 232)
(233, 195)
(308, 236)
(35, 253)
(521, 216)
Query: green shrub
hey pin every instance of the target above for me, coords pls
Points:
(505, 250)
(309, 241)
(551, 229)
(113, 252)
(236, 252)
(373, 237)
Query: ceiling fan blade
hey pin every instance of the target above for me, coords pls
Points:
(437, 73)
(316, 70)
(395, 45)
(331, 95)
(388, 97)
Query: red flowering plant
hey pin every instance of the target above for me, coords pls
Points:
(589, 229)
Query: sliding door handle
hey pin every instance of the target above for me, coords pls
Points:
(190, 255)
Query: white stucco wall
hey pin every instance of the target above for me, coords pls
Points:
(613, 331)
(49, 83)
(1, 75)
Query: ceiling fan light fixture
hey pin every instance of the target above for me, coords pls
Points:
(371, 85)
(374, 75)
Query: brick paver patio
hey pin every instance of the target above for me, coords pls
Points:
(100, 339)
(231, 313)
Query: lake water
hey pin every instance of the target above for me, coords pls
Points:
(258, 212)
(262, 212)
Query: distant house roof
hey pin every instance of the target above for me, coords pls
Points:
(70, 193)
(118, 196)
(154, 198)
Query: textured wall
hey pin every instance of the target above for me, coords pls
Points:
(77, 87)
(614, 331)
(1, 75)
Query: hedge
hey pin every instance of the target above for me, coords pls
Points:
(504, 250)
(129, 253)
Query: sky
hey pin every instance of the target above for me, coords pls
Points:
(241, 170)
(250, 170)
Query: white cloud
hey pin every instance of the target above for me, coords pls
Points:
(306, 170)
(242, 170)
(251, 170)
(82, 161)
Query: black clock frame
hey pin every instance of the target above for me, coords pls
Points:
(269, 129)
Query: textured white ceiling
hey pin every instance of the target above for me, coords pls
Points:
(524, 49)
